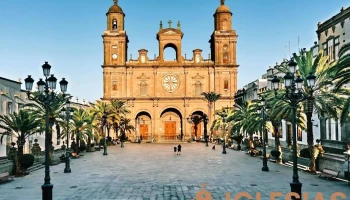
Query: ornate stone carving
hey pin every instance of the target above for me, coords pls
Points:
(143, 77)
(198, 76)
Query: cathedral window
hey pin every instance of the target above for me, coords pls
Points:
(225, 58)
(114, 24)
(225, 84)
(198, 88)
(143, 88)
(114, 85)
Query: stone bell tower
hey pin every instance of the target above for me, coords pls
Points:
(115, 39)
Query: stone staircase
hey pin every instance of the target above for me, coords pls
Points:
(36, 166)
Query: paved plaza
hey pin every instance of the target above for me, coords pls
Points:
(152, 171)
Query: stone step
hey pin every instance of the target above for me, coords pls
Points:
(36, 166)
(302, 167)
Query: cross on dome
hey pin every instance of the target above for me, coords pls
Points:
(222, 2)
(115, 2)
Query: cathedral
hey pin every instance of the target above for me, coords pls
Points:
(163, 94)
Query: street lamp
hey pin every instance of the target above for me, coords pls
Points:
(293, 95)
(67, 113)
(46, 95)
(223, 116)
(262, 109)
(104, 122)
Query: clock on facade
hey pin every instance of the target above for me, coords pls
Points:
(170, 83)
(114, 56)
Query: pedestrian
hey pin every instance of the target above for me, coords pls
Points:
(213, 147)
(179, 149)
(175, 148)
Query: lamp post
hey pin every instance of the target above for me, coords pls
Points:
(205, 119)
(104, 122)
(262, 108)
(348, 153)
(67, 113)
(293, 95)
(223, 116)
(46, 95)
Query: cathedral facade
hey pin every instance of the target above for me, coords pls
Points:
(162, 94)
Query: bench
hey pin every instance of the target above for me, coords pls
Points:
(74, 155)
(5, 176)
(329, 173)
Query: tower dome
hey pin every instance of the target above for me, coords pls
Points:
(115, 8)
(222, 8)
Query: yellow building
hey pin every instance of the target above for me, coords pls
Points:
(161, 94)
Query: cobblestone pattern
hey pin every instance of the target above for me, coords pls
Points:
(152, 171)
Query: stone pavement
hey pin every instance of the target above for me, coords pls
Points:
(152, 171)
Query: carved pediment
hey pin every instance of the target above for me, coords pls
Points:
(170, 32)
(143, 77)
(198, 77)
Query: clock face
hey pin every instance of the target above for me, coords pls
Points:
(170, 83)
(114, 56)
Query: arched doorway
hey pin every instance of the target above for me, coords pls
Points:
(143, 126)
(171, 121)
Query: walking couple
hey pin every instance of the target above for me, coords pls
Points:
(178, 149)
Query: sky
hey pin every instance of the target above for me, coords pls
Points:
(67, 34)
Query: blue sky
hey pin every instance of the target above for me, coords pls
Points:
(67, 33)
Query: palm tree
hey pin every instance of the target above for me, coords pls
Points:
(98, 110)
(55, 106)
(118, 109)
(211, 98)
(319, 99)
(22, 125)
(125, 127)
(81, 123)
(342, 67)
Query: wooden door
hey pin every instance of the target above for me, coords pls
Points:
(144, 131)
(198, 132)
(170, 130)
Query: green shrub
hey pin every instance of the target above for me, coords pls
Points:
(305, 153)
(275, 153)
(82, 146)
(26, 160)
(102, 141)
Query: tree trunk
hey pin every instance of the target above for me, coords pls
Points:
(310, 136)
(77, 144)
(88, 148)
(20, 144)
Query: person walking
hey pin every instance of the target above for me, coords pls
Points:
(175, 148)
(179, 149)
(213, 147)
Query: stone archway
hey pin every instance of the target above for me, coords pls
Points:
(170, 46)
(171, 124)
(143, 126)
